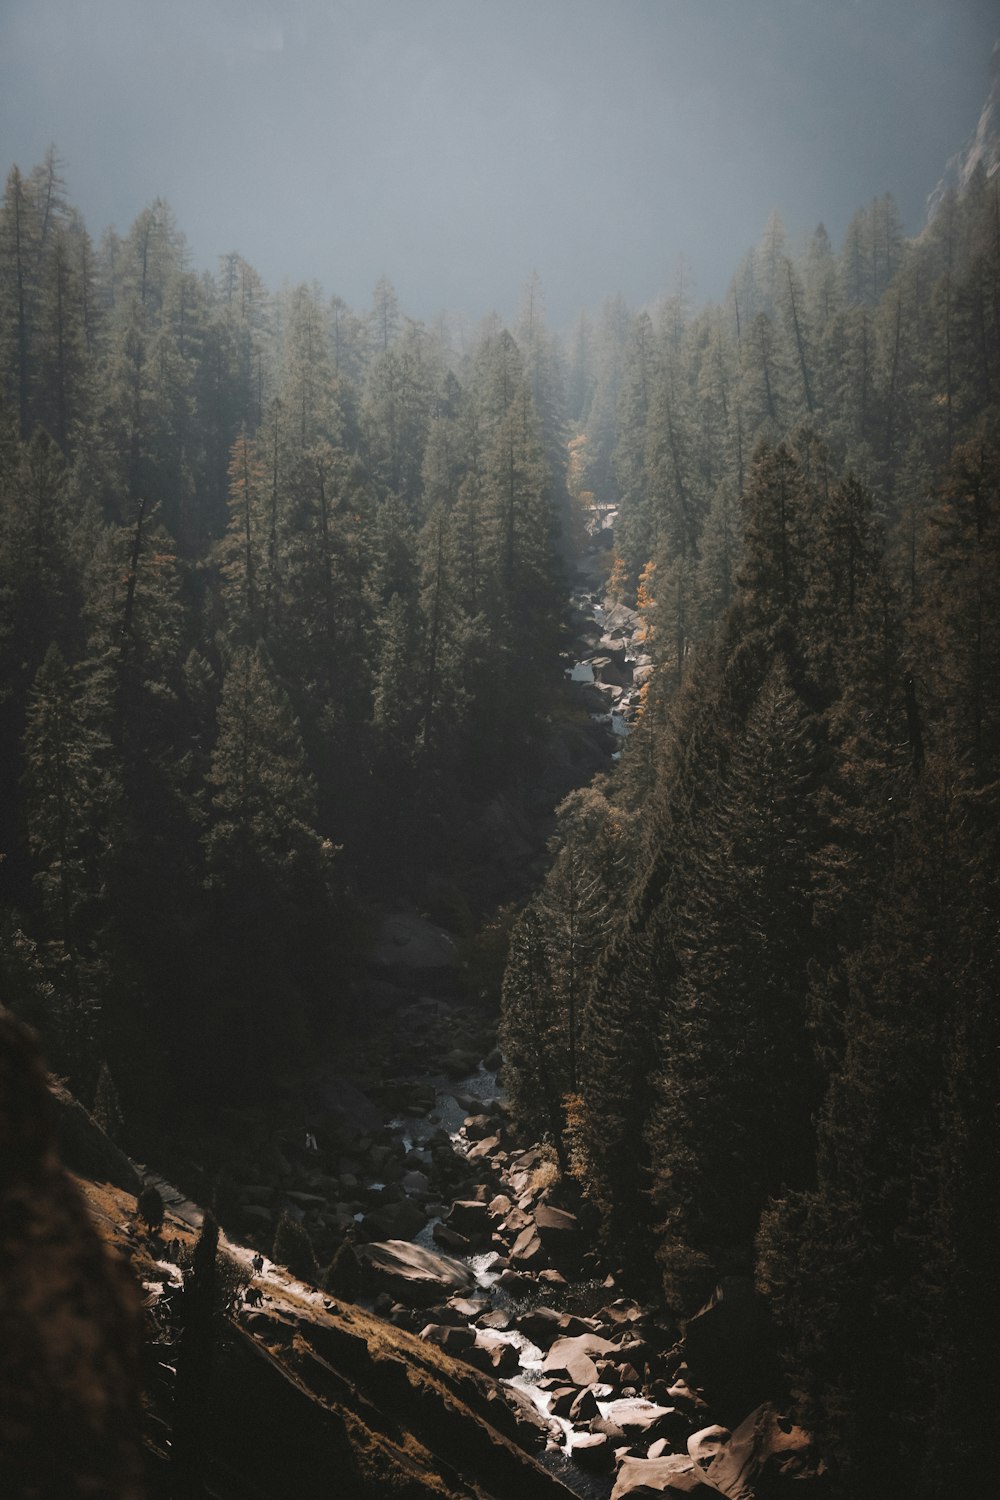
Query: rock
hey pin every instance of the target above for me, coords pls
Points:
(556, 1226)
(766, 1452)
(454, 1340)
(638, 1417)
(465, 1307)
(592, 1450)
(575, 1357)
(478, 1127)
(493, 1355)
(542, 1325)
(553, 1278)
(469, 1217)
(516, 1285)
(674, 1475)
(561, 1398)
(258, 1212)
(396, 1221)
(526, 1252)
(532, 1427)
(705, 1445)
(497, 1319)
(415, 1275)
(415, 1182)
(516, 1221)
(584, 1407)
(485, 1150)
(450, 1239)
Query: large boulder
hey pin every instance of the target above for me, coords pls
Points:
(639, 1418)
(575, 1357)
(766, 1454)
(413, 1275)
(676, 1474)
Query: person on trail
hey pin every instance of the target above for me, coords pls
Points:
(258, 1263)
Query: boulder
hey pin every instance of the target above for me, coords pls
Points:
(592, 1450)
(556, 1226)
(454, 1340)
(542, 1325)
(496, 1319)
(575, 1357)
(638, 1417)
(484, 1150)
(494, 1356)
(469, 1217)
(415, 1182)
(514, 1284)
(676, 1474)
(450, 1239)
(532, 1427)
(707, 1444)
(478, 1127)
(417, 1277)
(527, 1252)
(765, 1454)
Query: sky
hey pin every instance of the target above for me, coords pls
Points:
(457, 146)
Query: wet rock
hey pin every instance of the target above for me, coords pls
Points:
(450, 1239)
(466, 1307)
(561, 1400)
(593, 1450)
(516, 1285)
(478, 1127)
(497, 1319)
(532, 1428)
(542, 1325)
(415, 1275)
(585, 1406)
(493, 1355)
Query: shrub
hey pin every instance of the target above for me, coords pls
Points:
(293, 1248)
(150, 1206)
(343, 1275)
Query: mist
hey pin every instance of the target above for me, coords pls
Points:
(456, 146)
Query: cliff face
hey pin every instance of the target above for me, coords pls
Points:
(69, 1312)
(983, 150)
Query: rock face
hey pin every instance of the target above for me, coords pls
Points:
(415, 1276)
(765, 1455)
(69, 1314)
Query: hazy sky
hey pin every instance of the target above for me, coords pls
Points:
(456, 145)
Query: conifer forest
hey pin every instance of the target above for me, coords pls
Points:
(651, 665)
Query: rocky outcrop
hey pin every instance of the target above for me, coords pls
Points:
(69, 1312)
